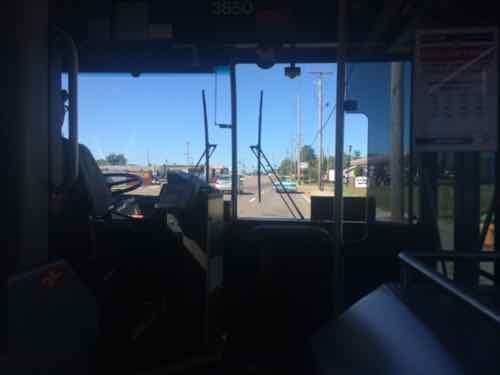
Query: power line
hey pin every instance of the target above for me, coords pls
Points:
(324, 124)
(333, 110)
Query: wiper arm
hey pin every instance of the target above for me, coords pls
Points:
(256, 151)
(259, 145)
(259, 154)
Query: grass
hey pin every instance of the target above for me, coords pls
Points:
(349, 190)
(446, 198)
(382, 195)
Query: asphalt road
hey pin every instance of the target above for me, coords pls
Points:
(272, 205)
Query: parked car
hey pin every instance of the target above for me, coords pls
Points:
(224, 184)
(241, 183)
(289, 186)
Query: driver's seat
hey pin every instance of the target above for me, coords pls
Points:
(72, 212)
(90, 195)
(91, 188)
(147, 265)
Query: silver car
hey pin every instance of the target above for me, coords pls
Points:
(224, 184)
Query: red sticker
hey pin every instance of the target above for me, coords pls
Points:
(52, 277)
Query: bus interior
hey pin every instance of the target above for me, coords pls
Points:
(251, 187)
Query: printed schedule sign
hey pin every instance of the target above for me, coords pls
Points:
(456, 90)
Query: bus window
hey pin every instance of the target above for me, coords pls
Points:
(382, 91)
(153, 123)
(297, 152)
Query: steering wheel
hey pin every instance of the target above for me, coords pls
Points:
(128, 180)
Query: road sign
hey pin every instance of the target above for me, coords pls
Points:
(331, 175)
(361, 182)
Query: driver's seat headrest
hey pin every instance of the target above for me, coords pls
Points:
(91, 185)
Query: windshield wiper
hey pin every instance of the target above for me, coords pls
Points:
(259, 154)
(269, 170)
(209, 147)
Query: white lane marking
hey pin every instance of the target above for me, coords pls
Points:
(252, 199)
(306, 199)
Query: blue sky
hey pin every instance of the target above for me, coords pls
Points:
(159, 113)
(279, 124)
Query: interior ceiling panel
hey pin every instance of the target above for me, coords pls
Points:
(229, 21)
(121, 35)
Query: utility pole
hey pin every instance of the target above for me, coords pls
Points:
(320, 129)
(259, 144)
(147, 158)
(321, 76)
(299, 139)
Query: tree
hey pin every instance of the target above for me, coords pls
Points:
(116, 159)
(287, 167)
(347, 160)
(358, 171)
(307, 154)
(326, 165)
(101, 162)
(311, 173)
(330, 162)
